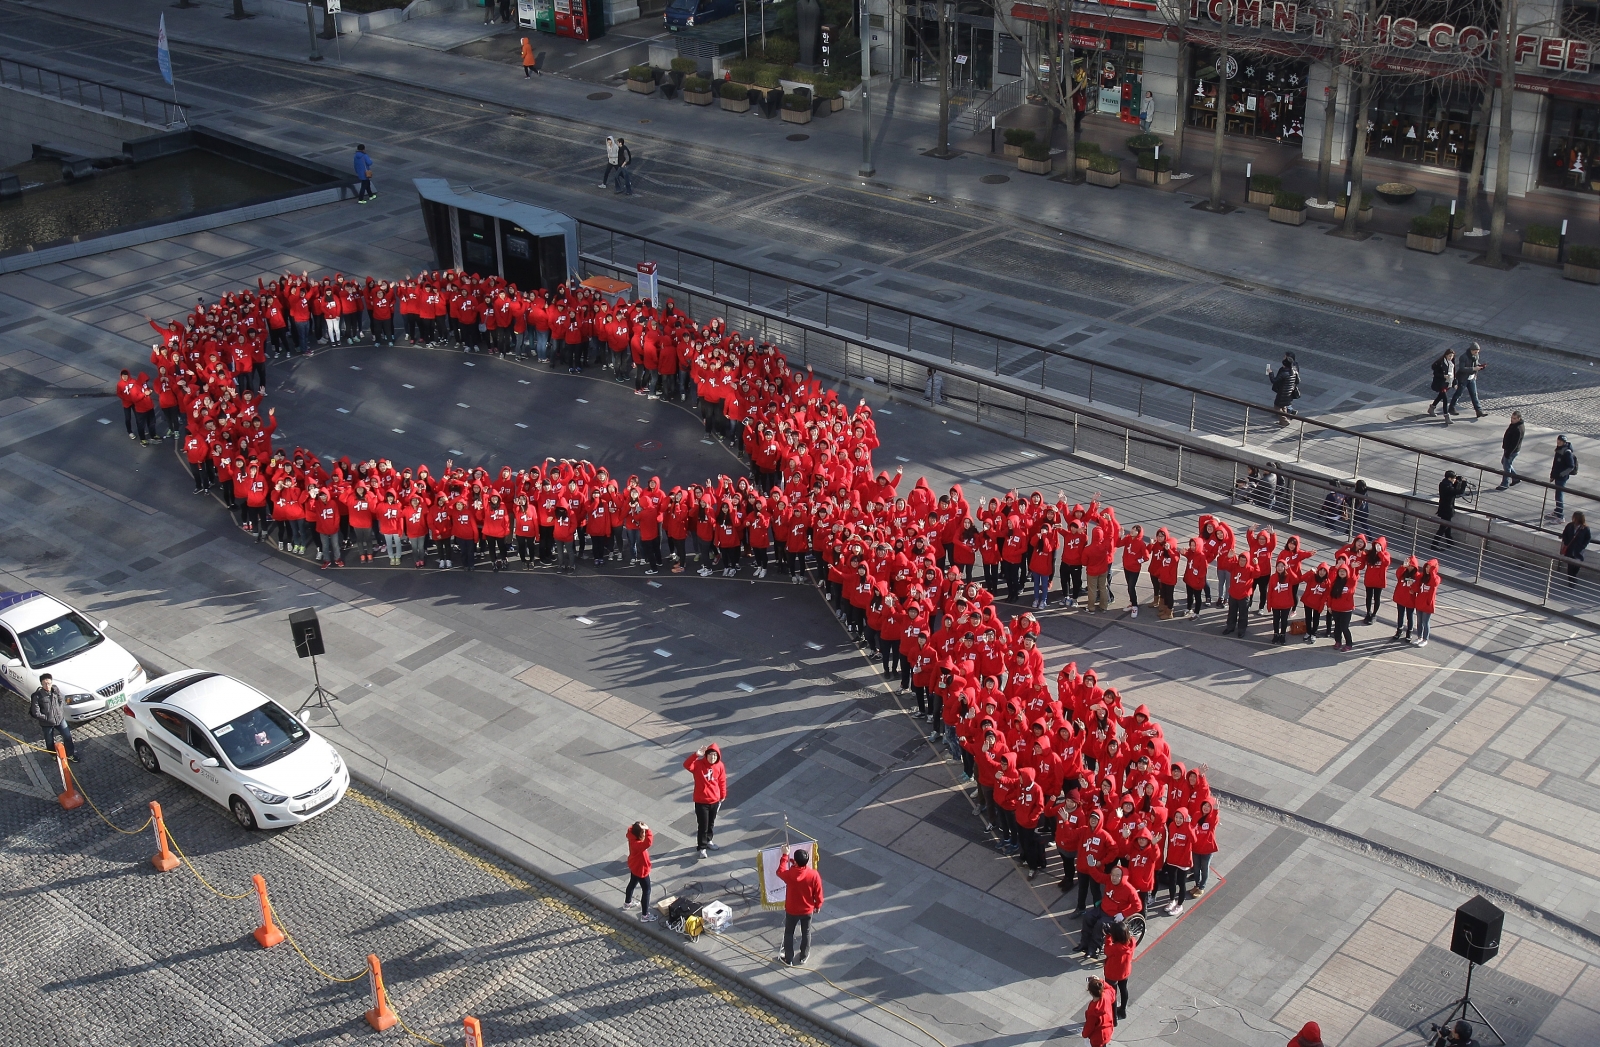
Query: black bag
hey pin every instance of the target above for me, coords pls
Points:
(682, 907)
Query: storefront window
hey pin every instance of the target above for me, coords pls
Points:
(1571, 147)
(1117, 70)
(1424, 123)
(1266, 95)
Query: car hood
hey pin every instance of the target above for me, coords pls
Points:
(100, 666)
(301, 771)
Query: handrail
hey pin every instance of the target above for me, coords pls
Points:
(1058, 352)
(1002, 98)
(92, 94)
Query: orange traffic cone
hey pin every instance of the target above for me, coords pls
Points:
(70, 798)
(267, 935)
(380, 1017)
(164, 860)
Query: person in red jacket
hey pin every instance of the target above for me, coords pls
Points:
(197, 449)
(1342, 604)
(325, 516)
(1205, 845)
(1241, 583)
(1119, 966)
(464, 530)
(1427, 594)
(802, 899)
(1134, 554)
(1315, 599)
(1120, 902)
(639, 840)
(1280, 598)
(1406, 581)
(1100, 1018)
(710, 789)
(1029, 809)
(1374, 565)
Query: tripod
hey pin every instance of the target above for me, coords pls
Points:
(319, 698)
(1459, 1010)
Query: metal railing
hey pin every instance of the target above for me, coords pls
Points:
(91, 94)
(1001, 100)
(1524, 567)
(1338, 450)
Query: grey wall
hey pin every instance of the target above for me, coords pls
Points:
(26, 119)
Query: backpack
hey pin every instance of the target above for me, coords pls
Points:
(1574, 455)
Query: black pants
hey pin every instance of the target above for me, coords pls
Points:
(1374, 601)
(1404, 617)
(1072, 580)
(1089, 891)
(1164, 593)
(1194, 603)
(1313, 619)
(643, 883)
(1238, 615)
(1280, 621)
(1013, 576)
(1032, 847)
(705, 820)
(790, 922)
(204, 474)
(1341, 627)
(1132, 578)
(467, 552)
(365, 191)
(146, 421)
(1261, 592)
(1122, 996)
(652, 552)
(127, 419)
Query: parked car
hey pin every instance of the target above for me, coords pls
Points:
(236, 746)
(686, 14)
(40, 634)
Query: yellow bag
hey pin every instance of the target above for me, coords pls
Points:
(693, 927)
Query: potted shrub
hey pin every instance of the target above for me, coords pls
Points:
(1583, 263)
(1264, 188)
(681, 68)
(735, 97)
(1104, 170)
(1156, 172)
(1143, 143)
(824, 94)
(1430, 232)
(697, 90)
(641, 79)
(1288, 208)
(796, 108)
(1016, 138)
(1362, 216)
(766, 77)
(1542, 243)
(1086, 150)
(1034, 158)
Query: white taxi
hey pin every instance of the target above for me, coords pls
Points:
(235, 745)
(40, 634)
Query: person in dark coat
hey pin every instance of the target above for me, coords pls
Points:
(1444, 380)
(1510, 444)
(1285, 387)
(1562, 468)
(1574, 540)
(1450, 488)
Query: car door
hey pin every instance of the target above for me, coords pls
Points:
(15, 677)
(174, 739)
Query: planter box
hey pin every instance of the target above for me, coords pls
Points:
(790, 116)
(836, 105)
(1540, 253)
(1264, 199)
(1154, 177)
(1110, 181)
(1286, 216)
(1362, 218)
(736, 105)
(1038, 167)
(1430, 244)
(697, 97)
(1581, 273)
(642, 87)
(1082, 162)
(1011, 150)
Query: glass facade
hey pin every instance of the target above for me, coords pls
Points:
(1571, 146)
(1116, 70)
(1428, 123)
(1266, 95)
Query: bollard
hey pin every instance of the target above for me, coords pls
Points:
(164, 860)
(71, 799)
(267, 935)
(471, 1032)
(380, 1017)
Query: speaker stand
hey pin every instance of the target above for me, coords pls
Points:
(1459, 1011)
(319, 698)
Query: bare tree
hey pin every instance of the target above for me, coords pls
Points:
(1502, 160)
(1047, 63)
(1333, 39)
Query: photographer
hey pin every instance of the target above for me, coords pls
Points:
(1451, 488)
(1457, 1035)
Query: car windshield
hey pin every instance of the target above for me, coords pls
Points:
(56, 641)
(683, 7)
(262, 735)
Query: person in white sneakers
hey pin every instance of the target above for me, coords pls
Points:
(639, 840)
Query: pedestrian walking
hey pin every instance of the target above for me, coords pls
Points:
(1444, 380)
(710, 789)
(1510, 444)
(1310, 1036)
(624, 168)
(639, 840)
(1119, 965)
(529, 59)
(1451, 488)
(1563, 467)
(1100, 1018)
(1574, 540)
(49, 708)
(1467, 369)
(611, 160)
(802, 899)
(933, 387)
(363, 167)
(1285, 387)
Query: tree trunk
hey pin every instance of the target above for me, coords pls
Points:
(1502, 160)
(1330, 107)
(1181, 111)
(328, 32)
(1480, 150)
(944, 79)
(238, 10)
(1358, 161)
(1222, 110)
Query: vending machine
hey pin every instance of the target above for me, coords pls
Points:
(580, 19)
(536, 14)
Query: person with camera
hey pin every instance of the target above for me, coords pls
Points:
(1451, 488)
(1458, 1034)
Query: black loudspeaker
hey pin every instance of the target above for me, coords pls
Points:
(1477, 932)
(307, 632)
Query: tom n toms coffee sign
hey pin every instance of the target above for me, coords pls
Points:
(1401, 34)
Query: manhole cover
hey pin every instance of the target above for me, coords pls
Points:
(798, 138)
(600, 96)
(994, 179)
(648, 445)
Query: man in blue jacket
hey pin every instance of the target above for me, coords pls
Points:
(363, 167)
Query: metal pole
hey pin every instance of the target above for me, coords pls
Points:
(1244, 440)
(864, 34)
(868, 333)
(1476, 490)
(1549, 576)
(1194, 403)
(1482, 546)
(1091, 383)
(1127, 442)
(311, 27)
(908, 332)
(1300, 445)
(1140, 412)
(1179, 481)
(997, 356)
(1416, 476)
(952, 342)
(1356, 470)
(1074, 432)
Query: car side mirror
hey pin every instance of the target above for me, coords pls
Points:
(13, 663)
(210, 761)
(102, 626)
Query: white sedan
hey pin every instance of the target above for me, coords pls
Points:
(40, 634)
(235, 745)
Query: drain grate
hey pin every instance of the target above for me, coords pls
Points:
(798, 138)
(994, 179)
(600, 96)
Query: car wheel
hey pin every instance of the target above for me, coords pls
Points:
(242, 814)
(147, 757)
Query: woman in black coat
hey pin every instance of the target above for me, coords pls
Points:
(1574, 540)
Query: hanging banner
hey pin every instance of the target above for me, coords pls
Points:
(163, 55)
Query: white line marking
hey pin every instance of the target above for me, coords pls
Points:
(343, 410)
(520, 425)
(581, 400)
(585, 621)
(663, 652)
(403, 385)
(746, 688)
(731, 614)
(398, 430)
(509, 589)
(464, 405)
(105, 421)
